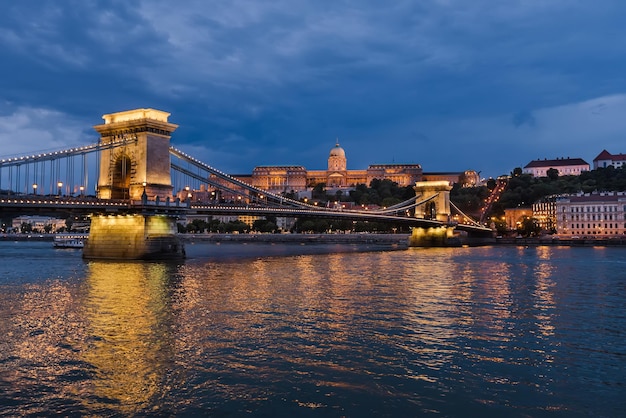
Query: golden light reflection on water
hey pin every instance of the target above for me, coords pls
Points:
(126, 310)
(312, 329)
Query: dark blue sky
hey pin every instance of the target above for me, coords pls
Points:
(450, 84)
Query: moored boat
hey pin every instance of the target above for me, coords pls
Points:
(69, 240)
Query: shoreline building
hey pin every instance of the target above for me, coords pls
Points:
(565, 166)
(544, 211)
(38, 223)
(606, 159)
(598, 214)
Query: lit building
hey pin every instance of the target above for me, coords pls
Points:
(605, 159)
(544, 211)
(565, 166)
(297, 179)
(279, 179)
(514, 217)
(596, 214)
(467, 178)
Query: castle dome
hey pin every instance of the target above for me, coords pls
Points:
(337, 151)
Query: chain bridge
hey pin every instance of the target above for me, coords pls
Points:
(135, 185)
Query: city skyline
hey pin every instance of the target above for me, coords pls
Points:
(445, 84)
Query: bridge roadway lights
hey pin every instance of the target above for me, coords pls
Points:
(434, 237)
(133, 237)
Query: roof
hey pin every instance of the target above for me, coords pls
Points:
(605, 155)
(594, 197)
(409, 165)
(284, 167)
(337, 151)
(559, 162)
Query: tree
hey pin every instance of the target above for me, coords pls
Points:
(26, 228)
(197, 226)
(237, 226)
(264, 225)
(553, 173)
(319, 191)
(517, 171)
(529, 227)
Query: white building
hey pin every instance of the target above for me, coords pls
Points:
(592, 215)
(38, 223)
(565, 166)
(605, 159)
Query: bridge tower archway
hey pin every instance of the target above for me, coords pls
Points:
(121, 175)
(141, 161)
(437, 208)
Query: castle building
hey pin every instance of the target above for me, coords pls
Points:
(288, 178)
(297, 179)
(605, 159)
(279, 179)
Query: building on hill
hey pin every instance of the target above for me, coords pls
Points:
(467, 178)
(297, 180)
(591, 215)
(565, 166)
(605, 159)
(278, 179)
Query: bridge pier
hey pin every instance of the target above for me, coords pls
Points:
(133, 237)
(442, 236)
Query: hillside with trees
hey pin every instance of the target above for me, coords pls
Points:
(524, 189)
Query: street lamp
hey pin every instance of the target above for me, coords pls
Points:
(35, 188)
(60, 186)
(82, 190)
(144, 196)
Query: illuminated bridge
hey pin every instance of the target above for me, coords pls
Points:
(135, 185)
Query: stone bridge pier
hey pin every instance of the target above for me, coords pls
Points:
(137, 170)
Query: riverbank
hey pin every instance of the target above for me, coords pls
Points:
(390, 239)
(567, 242)
(27, 237)
(397, 240)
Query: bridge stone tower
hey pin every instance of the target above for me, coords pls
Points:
(139, 164)
(439, 207)
(143, 163)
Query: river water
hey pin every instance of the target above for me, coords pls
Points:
(314, 330)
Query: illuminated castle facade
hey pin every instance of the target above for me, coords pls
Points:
(296, 179)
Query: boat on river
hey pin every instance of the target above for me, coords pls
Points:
(69, 240)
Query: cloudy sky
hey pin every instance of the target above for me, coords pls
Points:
(450, 84)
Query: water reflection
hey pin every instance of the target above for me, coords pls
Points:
(128, 342)
(452, 332)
